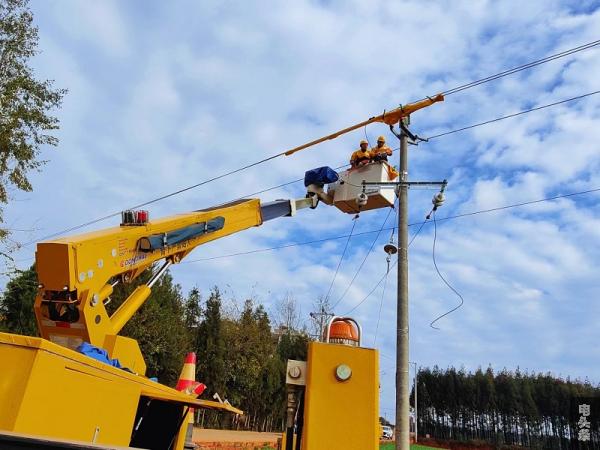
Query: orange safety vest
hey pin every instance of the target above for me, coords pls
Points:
(383, 149)
(359, 156)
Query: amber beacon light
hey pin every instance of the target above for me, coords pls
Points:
(343, 330)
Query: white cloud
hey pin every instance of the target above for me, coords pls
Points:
(93, 23)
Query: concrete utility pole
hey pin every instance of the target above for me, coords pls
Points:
(416, 404)
(402, 430)
(402, 400)
(322, 317)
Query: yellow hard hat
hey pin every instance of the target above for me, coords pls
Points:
(364, 142)
(381, 139)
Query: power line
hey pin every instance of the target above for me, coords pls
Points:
(372, 290)
(279, 247)
(516, 205)
(157, 199)
(521, 67)
(452, 217)
(498, 119)
(256, 163)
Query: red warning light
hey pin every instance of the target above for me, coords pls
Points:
(131, 217)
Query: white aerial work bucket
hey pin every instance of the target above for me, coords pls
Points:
(347, 189)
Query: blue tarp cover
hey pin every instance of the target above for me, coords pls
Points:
(98, 353)
(320, 175)
(158, 241)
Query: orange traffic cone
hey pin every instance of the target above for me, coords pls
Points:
(187, 379)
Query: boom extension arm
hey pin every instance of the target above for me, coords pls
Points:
(269, 211)
(390, 118)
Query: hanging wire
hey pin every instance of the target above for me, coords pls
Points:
(417, 233)
(385, 275)
(367, 137)
(157, 199)
(381, 303)
(387, 259)
(371, 291)
(462, 300)
(354, 220)
(363, 261)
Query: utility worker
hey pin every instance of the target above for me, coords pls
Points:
(361, 156)
(382, 151)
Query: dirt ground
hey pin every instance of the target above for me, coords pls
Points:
(208, 435)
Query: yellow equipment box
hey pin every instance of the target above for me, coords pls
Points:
(342, 398)
(49, 390)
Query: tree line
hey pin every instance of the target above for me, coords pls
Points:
(242, 354)
(506, 408)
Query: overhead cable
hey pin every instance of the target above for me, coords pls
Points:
(498, 119)
(157, 199)
(522, 67)
(372, 290)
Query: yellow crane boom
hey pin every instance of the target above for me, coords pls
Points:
(77, 273)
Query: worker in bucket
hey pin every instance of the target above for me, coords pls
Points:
(382, 151)
(361, 156)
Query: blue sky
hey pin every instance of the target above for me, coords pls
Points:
(165, 95)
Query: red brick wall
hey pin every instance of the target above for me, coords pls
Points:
(235, 446)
